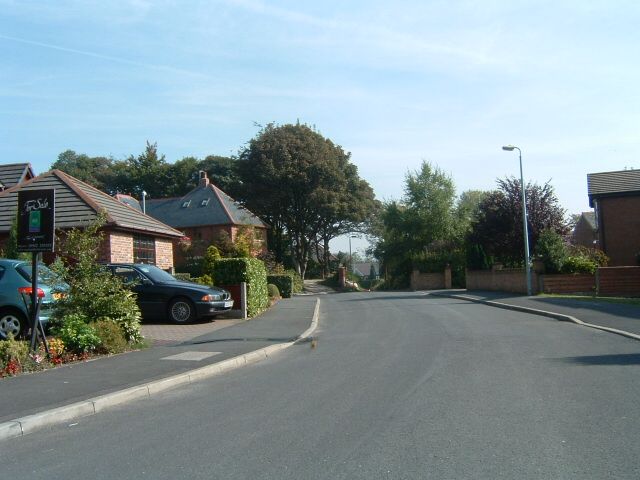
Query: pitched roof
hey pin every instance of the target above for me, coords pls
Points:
(78, 203)
(611, 183)
(12, 174)
(204, 205)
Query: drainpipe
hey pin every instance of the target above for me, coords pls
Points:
(144, 206)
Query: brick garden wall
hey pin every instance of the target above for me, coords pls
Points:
(503, 280)
(568, 283)
(619, 281)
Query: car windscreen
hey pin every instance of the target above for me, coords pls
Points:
(156, 274)
(45, 275)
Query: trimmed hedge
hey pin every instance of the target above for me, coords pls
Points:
(233, 271)
(284, 282)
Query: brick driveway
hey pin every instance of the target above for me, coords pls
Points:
(171, 334)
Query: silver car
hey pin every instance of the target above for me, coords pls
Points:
(14, 276)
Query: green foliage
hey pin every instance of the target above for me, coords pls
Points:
(273, 291)
(11, 349)
(477, 258)
(78, 336)
(11, 246)
(593, 254)
(210, 257)
(498, 224)
(233, 271)
(302, 184)
(185, 277)
(578, 264)
(94, 293)
(283, 282)
(424, 221)
(552, 250)
(298, 282)
(111, 337)
(204, 280)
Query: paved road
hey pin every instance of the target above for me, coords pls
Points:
(400, 386)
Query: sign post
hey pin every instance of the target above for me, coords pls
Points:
(36, 226)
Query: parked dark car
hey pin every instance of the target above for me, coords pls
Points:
(161, 295)
(15, 275)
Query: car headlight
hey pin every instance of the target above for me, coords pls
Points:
(211, 298)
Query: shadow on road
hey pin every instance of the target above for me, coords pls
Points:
(616, 359)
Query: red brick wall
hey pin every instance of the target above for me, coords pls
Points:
(120, 247)
(619, 281)
(620, 229)
(569, 284)
(164, 254)
(507, 280)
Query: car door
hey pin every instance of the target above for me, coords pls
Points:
(148, 299)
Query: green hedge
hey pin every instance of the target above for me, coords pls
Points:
(233, 271)
(284, 283)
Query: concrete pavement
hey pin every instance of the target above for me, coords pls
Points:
(30, 402)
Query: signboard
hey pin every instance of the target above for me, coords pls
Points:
(36, 220)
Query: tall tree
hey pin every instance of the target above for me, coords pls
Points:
(498, 227)
(424, 221)
(292, 176)
(92, 170)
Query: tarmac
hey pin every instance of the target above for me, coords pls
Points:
(188, 354)
(38, 400)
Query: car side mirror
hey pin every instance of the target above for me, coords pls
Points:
(146, 281)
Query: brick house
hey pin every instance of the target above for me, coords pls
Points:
(204, 214)
(585, 232)
(615, 196)
(129, 235)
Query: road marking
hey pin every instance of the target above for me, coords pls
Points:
(192, 356)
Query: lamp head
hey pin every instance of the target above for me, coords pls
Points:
(509, 148)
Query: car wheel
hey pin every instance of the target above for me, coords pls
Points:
(12, 323)
(181, 310)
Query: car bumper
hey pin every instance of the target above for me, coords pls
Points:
(207, 309)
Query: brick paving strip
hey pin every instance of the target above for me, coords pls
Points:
(171, 334)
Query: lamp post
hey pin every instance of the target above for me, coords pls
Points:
(351, 235)
(527, 266)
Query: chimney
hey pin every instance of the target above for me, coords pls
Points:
(204, 181)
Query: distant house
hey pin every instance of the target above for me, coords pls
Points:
(364, 270)
(12, 174)
(203, 214)
(130, 236)
(585, 232)
(615, 196)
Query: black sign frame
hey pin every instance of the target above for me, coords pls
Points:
(36, 220)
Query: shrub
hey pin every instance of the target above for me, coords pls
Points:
(552, 250)
(93, 291)
(283, 282)
(476, 257)
(579, 264)
(273, 291)
(298, 283)
(210, 258)
(13, 354)
(76, 333)
(111, 337)
(184, 276)
(204, 280)
(233, 271)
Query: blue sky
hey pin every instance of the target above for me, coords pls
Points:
(394, 83)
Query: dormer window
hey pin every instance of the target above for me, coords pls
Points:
(205, 202)
(186, 204)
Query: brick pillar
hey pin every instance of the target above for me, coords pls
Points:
(447, 276)
(342, 276)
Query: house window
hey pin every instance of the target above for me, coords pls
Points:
(144, 249)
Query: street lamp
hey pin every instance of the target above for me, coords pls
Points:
(351, 235)
(527, 266)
